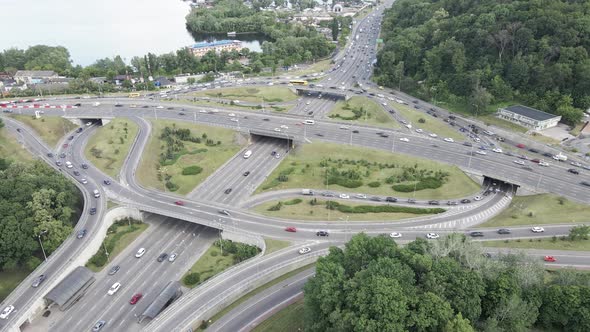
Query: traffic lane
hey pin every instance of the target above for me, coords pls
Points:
(563, 258)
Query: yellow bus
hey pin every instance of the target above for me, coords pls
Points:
(298, 82)
(134, 95)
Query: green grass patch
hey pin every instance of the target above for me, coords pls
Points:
(557, 243)
(290, 319)
(211, 263)
(111, 205)
(489, 118)
(11, 149)
(9, 280)
(541, 209)
(577, 129)
(340, 212)
(303, 168)
(51, 129)
(273, 245)
(362, 110)
(109, 146)
(431, 124)
(119, 236)
(294, 201)
(156, 172)
(267, 94)
(316, 67)
(254, 292)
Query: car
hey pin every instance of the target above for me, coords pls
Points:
(419, 130)
(38, 281)
(6, 312)
(98, 325)
(483, 153)
(84, 166)
(520, 162)
(452, 203)
(118, 105)
(65, 145)
(246, 173)
(465, 201)
(226, 212)
(231, 114)
(81, 234)
(573, 171)
(107, 182)
(433, 135)
(411, 200)
(360, 196)
(181, 203)
(278, 130)
(478, 198)
(504, 231)
(290, 229)
(114, 270)
(536, 160)
(58, 163)
(404, 139)
(390, 199)
(278, 155)
(181, 113)
(550, 259)
(160, 107)
(76, 173)
(62, 155)
(585, 183)
(476, 234)
(344, 127)
(497, 150)
(172, 257)
(375, 198)
(93, 211)
(395, 235)
(304, 250)
(432, 236)
(534, 150)
(162, 257)
(448, 139)
(140, 252)
(284, 127)
(543, 163)
(538, 229)
(135, 298)
(345, 196)
(548, 155)
(114, 288)
(322, 233)
(70, 138)
(575, 163)
(83, 181)
(433, 202)
(355, 131)
(145, 106)
(227, 191)
(50, 155)
(266, 119)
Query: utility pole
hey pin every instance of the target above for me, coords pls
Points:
(41, 243)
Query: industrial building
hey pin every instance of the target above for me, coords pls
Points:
(528, 117)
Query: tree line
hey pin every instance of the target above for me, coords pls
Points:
(478, 53)
(448, 285)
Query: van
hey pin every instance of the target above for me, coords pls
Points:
(308, 192)
(96, 193)
(247, 154)
(309, 122)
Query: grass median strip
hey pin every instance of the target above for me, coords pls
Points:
(10, 149)
(290, 319)
(430, 124)
(273, 245)
(109, 146)
(51, 129)
(541, 209)
(268, 94)
(362, 110)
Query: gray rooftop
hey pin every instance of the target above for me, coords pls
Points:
(35, 73)
(531, 112)
(170, 293)
(70, 285)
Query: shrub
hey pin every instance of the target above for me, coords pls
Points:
(422, 120)
(426, 183)
(192, 279)
(374, 184)
(293, 201)
(192, 170)
(171, 186)
(275, 207)
(381, 209)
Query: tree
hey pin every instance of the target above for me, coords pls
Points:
(581, 232)
(458, 324)
(335, 27)
(480, 100)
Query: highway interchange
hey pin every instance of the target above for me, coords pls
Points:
(191, 228)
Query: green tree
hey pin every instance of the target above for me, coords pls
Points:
(581, 232)
(335, 27)
(458, 324)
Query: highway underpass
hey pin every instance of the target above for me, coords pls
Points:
(325, 94)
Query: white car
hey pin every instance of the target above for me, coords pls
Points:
(140, 252)
(395, 235)
(433, 135)
(114, 288)
(6, 312)
(160, 107)
(520, 162)
(284, 127)
(432, 236)
(448, 139)
(543, 163)
(83, 181)
(172, 257)
(409, 126)
(538, 229)
(344, 196)
(202, 111)
(361, 196)
(478, 198)
(403, 139)
(231, 114)
(277, 130)
(481, 152)
(384, 104)
(497, 150)
(344, 127)
(304, 250)
(419, 130)
(233, 119)
(575, 163)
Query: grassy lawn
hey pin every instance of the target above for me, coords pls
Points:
(314, 176)
(209, 158)
(432, 125)
(109, 146)
(273, 245)
(237, 107)
(316, 67)
(492, 120)
(489, 118)
(111, 204)
(118, 241)
(9, 281)
(252, 94)
(210, 264)
(11, 149)
(545, 243)
(50, 129)
(370, 112)
(545, 209)
(576, 130)
(254, 292)
(306, 211)
(290, 319)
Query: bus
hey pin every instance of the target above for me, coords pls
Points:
(298, 82)
(134, 95)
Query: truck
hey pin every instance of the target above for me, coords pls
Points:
(308, 192)
(560, 157)
(96, 193)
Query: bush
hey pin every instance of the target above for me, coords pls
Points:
(171, 186)
(32, 263)
(422, 120)
(192, 279)
(192, 170)
(293, 201)
(275, 207)
(332, 205)
(240, 251)
(374, 184)
(426, 183)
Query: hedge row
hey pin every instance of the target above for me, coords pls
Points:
(381, 209)
(240, 251)
(426, 183)
(192, 170)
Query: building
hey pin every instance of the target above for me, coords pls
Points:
(200, 49)
(71, 288)
(529, 117)
(183, 79)
(34, 76)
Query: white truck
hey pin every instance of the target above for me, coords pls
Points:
(560, 157)
(308, 192)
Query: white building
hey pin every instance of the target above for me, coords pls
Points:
(529, 117)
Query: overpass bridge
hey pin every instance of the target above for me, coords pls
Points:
(326, 93)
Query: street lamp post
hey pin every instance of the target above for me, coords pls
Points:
(106, 253)
(41, 243)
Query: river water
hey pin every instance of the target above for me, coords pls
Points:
(92, 30)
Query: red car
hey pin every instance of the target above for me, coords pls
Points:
(136, 298)
(549, 259)
(65, 145)
(291, 229)
(181, 203)
(520, 146)
(536, 161)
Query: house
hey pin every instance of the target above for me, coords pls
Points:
(528, 117)
(162, 82)
(5, 76)
(98, 80)
(200, 49)
(34, 76)
(118, 80)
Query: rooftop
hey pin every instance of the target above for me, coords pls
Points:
(531, 112)
(215, 43)
(35, 73)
